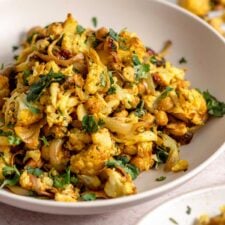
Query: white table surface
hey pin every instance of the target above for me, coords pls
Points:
(214, 174)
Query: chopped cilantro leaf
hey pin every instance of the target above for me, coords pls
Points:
(45, 141)
(80, 29)
(182, 60)
(14, 140)
(11, 175)
(139, 112)
(127, 167)
(188, 211)
(113, 34)
(162, 178)
(89, 124)
(26, 74)
(112, 90)
(173, 221)
(88, 196)
(215, 107)
(14, 48)
(136, 60)
(37, 88)
(35, 171)
(2, 66)
(153, 60)
(94, 21)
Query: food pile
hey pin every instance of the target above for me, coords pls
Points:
(216, 220)
(203, 8)
(84, 111)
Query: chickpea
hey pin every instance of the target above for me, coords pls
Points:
(161, 118)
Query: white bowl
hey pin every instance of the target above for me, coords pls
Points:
(185, 209)
(155, 22)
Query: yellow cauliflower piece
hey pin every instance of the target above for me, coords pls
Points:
(96, 104)
(118, 185)
(102, 138)
(93, 84)
(68, 194)
(62, 105)
(165, 76)
(143, 160)
(181, 165)
(78, 140)
(38, 184)
(69, 28)
(2, 165)
(4, 89)
(190, 105)
(89, 162)
(199, 7)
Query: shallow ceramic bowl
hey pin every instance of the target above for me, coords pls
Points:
(155, 22)
(185, 209)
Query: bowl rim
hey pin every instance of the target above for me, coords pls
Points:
(181, 196)
(138, 197)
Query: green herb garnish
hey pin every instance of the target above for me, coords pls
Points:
(44, 140)
(123, 163)
(11, 175)
(161, 156)
(14, 48)
(182, 60)
(32, 108)
(215, 107)
(102, 80)
(14, 140)
(173, 221)
(140, 111)
(35, 171)
(80, 29)
(37, 88)
(153, 60)
(141, 70)
(88, 196)
(94, 21)
(2, 66)
(188, 211)
(26, 74)
(112, 89)
(113, 34)
(162, 178)
(89, 124)
(15, 57)
(61, 180)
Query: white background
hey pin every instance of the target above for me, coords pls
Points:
(213, 175)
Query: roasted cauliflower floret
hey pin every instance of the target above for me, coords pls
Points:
(102, 138)
(143, 160)
(68, 194)
(190, 105)
(41, 184)
(89, 162)
(117, 184)
(96, 104)
(62, 105)
(78, 140)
